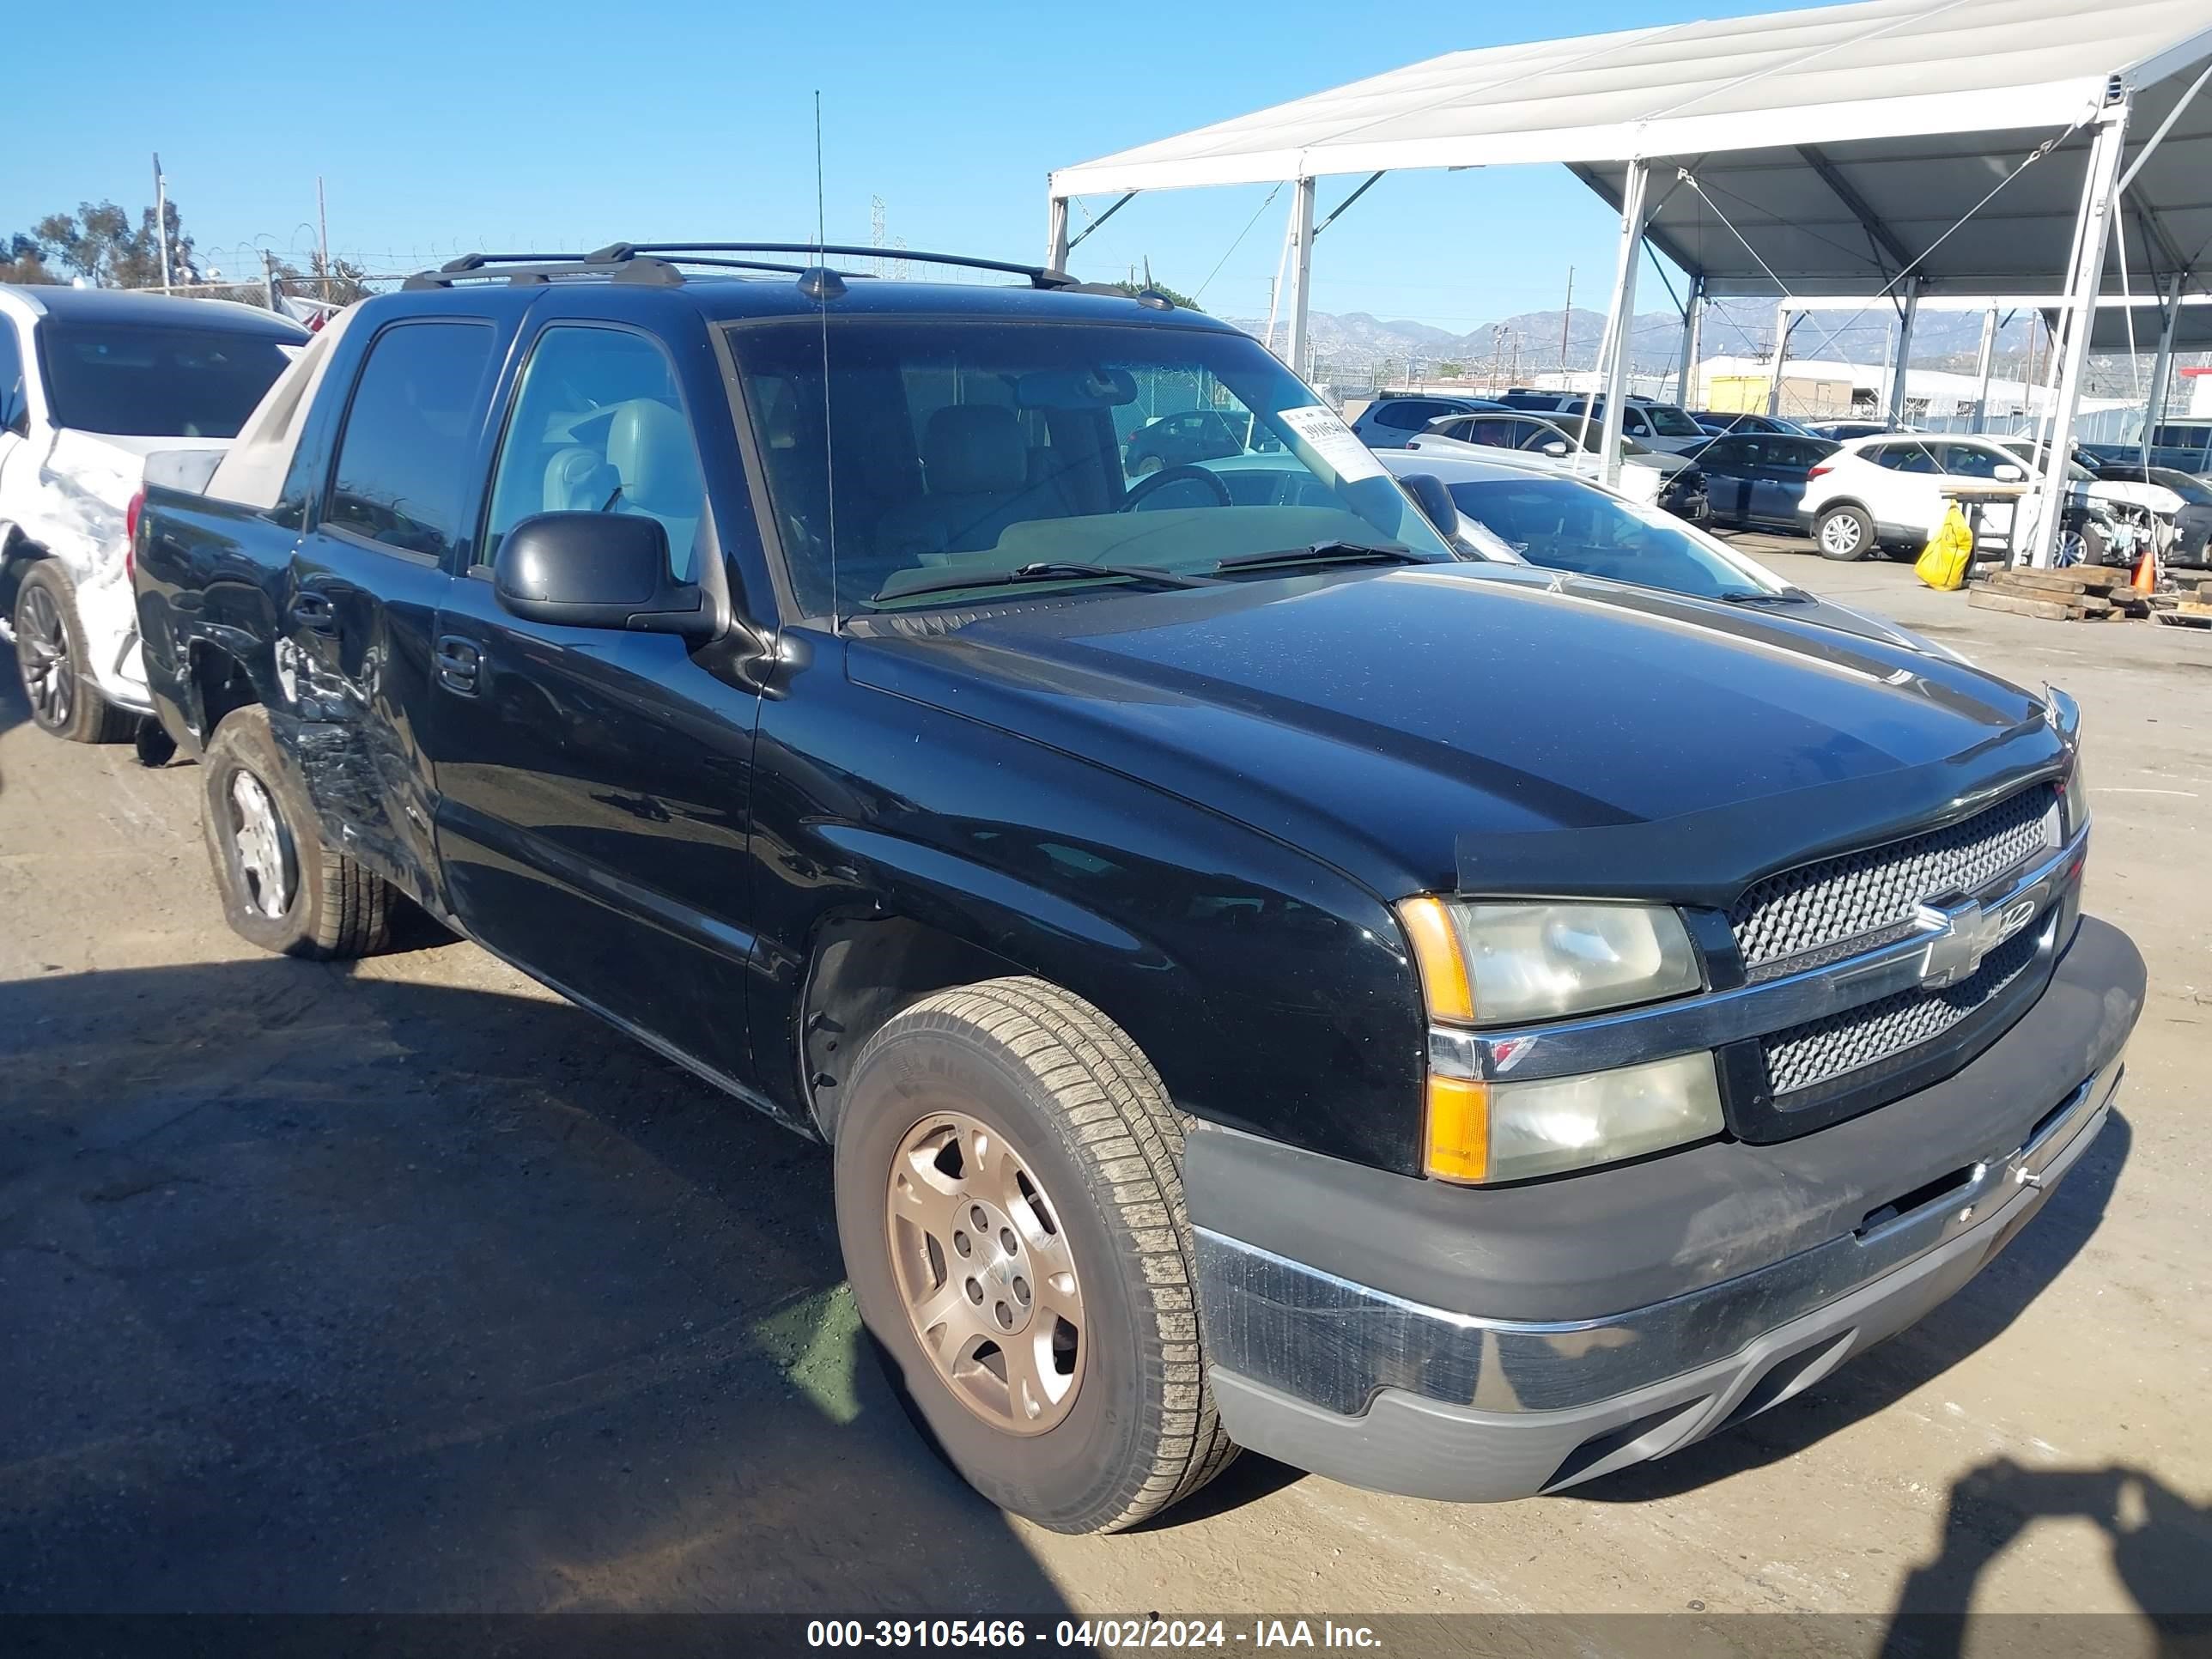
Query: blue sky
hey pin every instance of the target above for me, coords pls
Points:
(440, 128)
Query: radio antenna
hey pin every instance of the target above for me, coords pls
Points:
(823, 290)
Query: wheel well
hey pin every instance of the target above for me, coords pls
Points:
(865, 970)
(220, 683)
(18, 553)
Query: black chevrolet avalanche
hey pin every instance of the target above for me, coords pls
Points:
(1264, 982)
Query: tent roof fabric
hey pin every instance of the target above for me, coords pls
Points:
(1840, 140)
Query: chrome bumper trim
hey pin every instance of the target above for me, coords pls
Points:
(1565, 1048)
(1336, 1344)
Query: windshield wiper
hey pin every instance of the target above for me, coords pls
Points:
(1041, 571)
(1318, 553)
(1761, 596)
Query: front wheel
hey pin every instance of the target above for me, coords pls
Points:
(1010, 1208)
(1843, 534)
(51, 654)
(282, 889)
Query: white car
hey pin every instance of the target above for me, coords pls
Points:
(1560, 443)
(1565, 524)
(92, 382)
(1888, 493)
(2149, 505)
(1664, 427)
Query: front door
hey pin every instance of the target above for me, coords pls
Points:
(593, 782)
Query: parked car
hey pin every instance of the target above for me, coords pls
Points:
(91, 380)
(1844, 431)
(1755, 480)
(1668, 481)
(1180, 439)
(1531, 517)
(1657, 426)
(2192, 513)
(1888, 492)
(2118, 518)
(1720, 423)
(1389, 423)
(1201, 932)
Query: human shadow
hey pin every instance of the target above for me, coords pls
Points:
(331, 1292)
(2159, 1543)
(1879, 1378)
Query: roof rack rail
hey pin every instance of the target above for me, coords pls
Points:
(1039, 275)
(657, 263)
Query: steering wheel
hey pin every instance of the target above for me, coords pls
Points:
(1145, 489)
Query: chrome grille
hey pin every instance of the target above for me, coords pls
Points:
(1853, 900)
(1823, 1049)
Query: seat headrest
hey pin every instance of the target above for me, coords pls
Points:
(649, 446)
(974, 449)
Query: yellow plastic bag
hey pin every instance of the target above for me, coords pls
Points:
(1943, 563)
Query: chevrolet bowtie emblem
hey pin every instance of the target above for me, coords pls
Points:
(1960, 935)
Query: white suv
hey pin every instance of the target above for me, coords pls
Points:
(1891, 491)
(92, 382)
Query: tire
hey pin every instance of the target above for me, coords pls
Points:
(282, 889)
(50, 653)
(1086, 1146)
(1843, 534)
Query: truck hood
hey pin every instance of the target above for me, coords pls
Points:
(1427, 728)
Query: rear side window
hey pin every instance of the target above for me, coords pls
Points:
(404, 459)
(1669, 422)
(14, 410)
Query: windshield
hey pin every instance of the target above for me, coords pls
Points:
(2194, 490)
(157, 381)
(1567, 526)
(1669, 422)
(1017, 447)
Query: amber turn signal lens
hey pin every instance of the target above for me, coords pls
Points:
(1459, 1129)
(1436, 951)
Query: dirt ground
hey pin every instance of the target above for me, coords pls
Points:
(406, 1286)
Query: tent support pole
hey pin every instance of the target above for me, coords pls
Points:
(2100, 197)
(1693, 318)
(2161, 372)
(1302, 239)
(1899, 378)
(1055, 234)
(1982, 368)
(1617, 325)
(1784, 319)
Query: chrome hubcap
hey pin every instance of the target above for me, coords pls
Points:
(42, 655)
(264, 856)
(985, 1273)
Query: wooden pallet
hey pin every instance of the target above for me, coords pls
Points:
(2188, 613)
(2081, 593)
(2051, 607)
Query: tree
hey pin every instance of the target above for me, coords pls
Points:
(22, 260)
(1161, 288)
(1451, 371)
(341, 282)
(100, 244)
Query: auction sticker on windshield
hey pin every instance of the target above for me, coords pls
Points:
(1333, 441)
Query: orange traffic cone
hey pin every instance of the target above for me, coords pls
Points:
(2146, 576)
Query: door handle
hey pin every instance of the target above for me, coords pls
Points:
(315, 613)
(459, 662)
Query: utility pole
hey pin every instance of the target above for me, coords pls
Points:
(322, 237)
(161, 217)
(1567, 323)
(269, 281)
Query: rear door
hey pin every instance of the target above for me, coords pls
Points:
(1730, 465)
(367, 578)
(1778, 482)
(592, 812)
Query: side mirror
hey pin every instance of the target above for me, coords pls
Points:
(597, 570)
(2008, 474)
(1436, 504)
(1555, 449)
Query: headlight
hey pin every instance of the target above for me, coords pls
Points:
(1486, 1132)
(1503, 963)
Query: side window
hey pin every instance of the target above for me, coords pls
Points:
(1411, 414)
(1532, 435)
(1970, 461)
(598, 427)
(400, 478)
(1634, 424)
(15, 397)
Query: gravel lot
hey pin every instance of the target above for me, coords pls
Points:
(405, 1286)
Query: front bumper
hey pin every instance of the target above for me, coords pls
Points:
(1371, 1358)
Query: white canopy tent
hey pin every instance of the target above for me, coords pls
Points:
(1885, 149)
